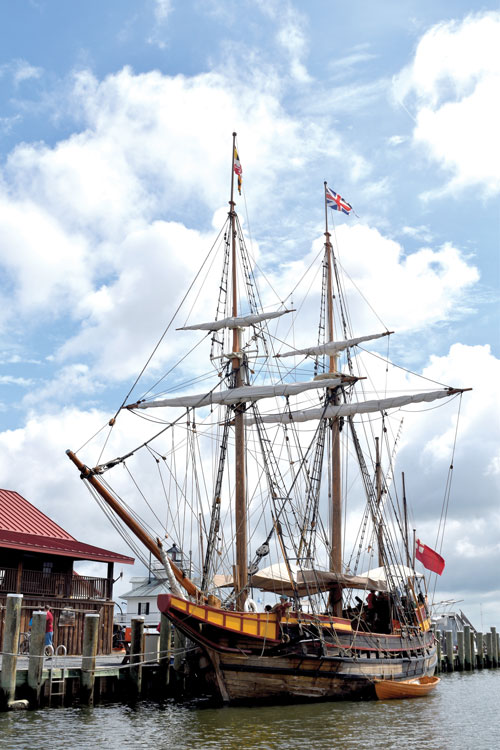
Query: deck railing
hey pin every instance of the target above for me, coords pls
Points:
(64, 585)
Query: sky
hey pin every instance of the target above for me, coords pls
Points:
(115, 140)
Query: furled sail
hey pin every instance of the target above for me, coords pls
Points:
(290, 579)
(358, 407)
(242, 321)
(240, 395)
(333, 347)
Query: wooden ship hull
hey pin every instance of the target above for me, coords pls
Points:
(250, 656)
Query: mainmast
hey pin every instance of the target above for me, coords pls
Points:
(240, 510)
(335, 486)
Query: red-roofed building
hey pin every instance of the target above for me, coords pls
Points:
(36, 560)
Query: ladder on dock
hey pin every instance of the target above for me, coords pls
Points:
(57, 685)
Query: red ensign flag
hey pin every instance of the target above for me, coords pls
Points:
(429, 559)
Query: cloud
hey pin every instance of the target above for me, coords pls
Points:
(162, 10)
(394, 283)
(452, 83)
(12, 380)
(396, 140)
(21, 70)
(290, 35)
(40, 260)
(421, 232)
(79, 220)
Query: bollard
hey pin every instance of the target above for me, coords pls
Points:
(479, 651)
(460, 650)
(10, 647)
(488, 651)
(494, 648)
(90, 641)
(165, 650)
(35, 663)
(136, 655)
(467, 649)
(450, 659)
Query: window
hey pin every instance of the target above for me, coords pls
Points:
(143, 608)
(47, 567)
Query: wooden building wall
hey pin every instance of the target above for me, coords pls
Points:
(70, 636)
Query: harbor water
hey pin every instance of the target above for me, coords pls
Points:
(461, 713)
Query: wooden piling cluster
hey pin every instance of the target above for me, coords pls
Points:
(473, 650)
(141, 674)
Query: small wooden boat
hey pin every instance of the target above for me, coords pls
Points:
(387, 689)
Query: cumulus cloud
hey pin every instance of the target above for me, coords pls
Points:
(79, 220)
(452, 84)
(393, 283)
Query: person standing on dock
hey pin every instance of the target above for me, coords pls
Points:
(49, 628)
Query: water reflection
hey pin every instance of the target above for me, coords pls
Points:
(460, 714)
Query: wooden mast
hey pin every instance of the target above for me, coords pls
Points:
(141, 534)
(378, 481)
(336, 488)
(240, 510)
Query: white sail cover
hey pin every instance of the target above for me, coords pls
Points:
(333, 347)
(347, 410)
(242, 321)
(399, 573)
(304, 581)
(240, 395)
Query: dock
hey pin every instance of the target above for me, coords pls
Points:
(51, 677)
(472, 650)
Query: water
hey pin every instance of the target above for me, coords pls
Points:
(462, 713)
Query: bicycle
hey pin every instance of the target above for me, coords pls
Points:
(24, 643)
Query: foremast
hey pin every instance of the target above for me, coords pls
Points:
(240, 576)
(335, 488)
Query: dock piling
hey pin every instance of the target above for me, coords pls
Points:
(136, 653)
(494, 648)
(90, 639)
(165, 650)
(479, 650)
(10, 649)
(467, 648)
(36, 657)
(450, 654)
(460, 650)
(488, 651)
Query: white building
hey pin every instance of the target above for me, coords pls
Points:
(141, 600)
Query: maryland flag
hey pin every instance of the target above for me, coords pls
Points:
(237, 168)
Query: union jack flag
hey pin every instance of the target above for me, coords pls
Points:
(335, 201)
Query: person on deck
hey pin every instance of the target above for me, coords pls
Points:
(49, 627)
(371, 608)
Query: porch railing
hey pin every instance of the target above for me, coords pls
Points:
(64, 585)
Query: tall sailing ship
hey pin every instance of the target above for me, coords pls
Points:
(268, 515)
